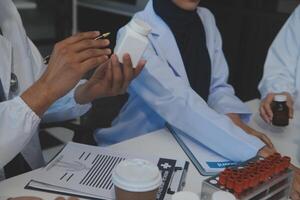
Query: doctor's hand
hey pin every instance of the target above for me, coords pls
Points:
(110, 79)
(70, 60)
(266, 152)
(266, 110)
(263, 137)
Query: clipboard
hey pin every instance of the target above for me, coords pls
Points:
(207, 162)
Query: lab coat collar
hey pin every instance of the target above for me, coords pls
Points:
(164, 41)
(22, 64)
(5, 64)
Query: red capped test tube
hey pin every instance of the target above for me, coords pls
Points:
(223, 178)
(287, 161)
(230, 182)
(239, 186)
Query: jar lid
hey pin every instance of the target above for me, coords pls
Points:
(136, 175)
(140, 26)
(185, 196)
(280, 98)
(223, 195)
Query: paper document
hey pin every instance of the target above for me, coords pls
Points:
(85, 171)
(205, 160)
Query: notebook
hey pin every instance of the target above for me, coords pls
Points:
(207, 162)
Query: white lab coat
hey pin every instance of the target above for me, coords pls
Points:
(18, 123)
(162, 94)
(282, 67)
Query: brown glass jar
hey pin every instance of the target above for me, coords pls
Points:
(280, 111)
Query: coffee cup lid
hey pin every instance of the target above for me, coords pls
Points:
(223, 195)
(136, 175)
(185, 196)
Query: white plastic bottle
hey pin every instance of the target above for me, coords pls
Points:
(133, 41)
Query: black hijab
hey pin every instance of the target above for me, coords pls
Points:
(190, 36)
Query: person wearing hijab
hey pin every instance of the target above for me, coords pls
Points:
(185, 85)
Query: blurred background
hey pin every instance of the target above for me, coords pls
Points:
(248, 28)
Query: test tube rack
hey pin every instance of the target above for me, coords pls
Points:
(258, 179)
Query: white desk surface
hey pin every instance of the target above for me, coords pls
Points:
(162, 143)
(151, 144)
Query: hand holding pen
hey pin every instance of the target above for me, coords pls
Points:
(70, 60)
(101, 36)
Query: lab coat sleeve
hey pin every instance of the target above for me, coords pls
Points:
(18, 123)
(184, 109)
(280, 67)
(222, 96)
(66, 108)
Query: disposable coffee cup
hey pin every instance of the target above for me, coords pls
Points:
(136, 179)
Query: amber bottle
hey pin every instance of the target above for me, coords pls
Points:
(280, 111)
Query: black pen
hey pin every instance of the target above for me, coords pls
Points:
(105, 35)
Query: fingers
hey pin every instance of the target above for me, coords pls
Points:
(265, 108)
(139, 67)
(263, 138)
(268, 141)
(92, 63)
(266, 151)
(101, 71)
(109, 76)
(291, 112)
(91, 53)
(264, 115)
(89, 44)
(81, 36)
(117, 81)
(112, 78)
(73, 198)
(290, 105)
(128, 72)
(295, 196)
(60, 198)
